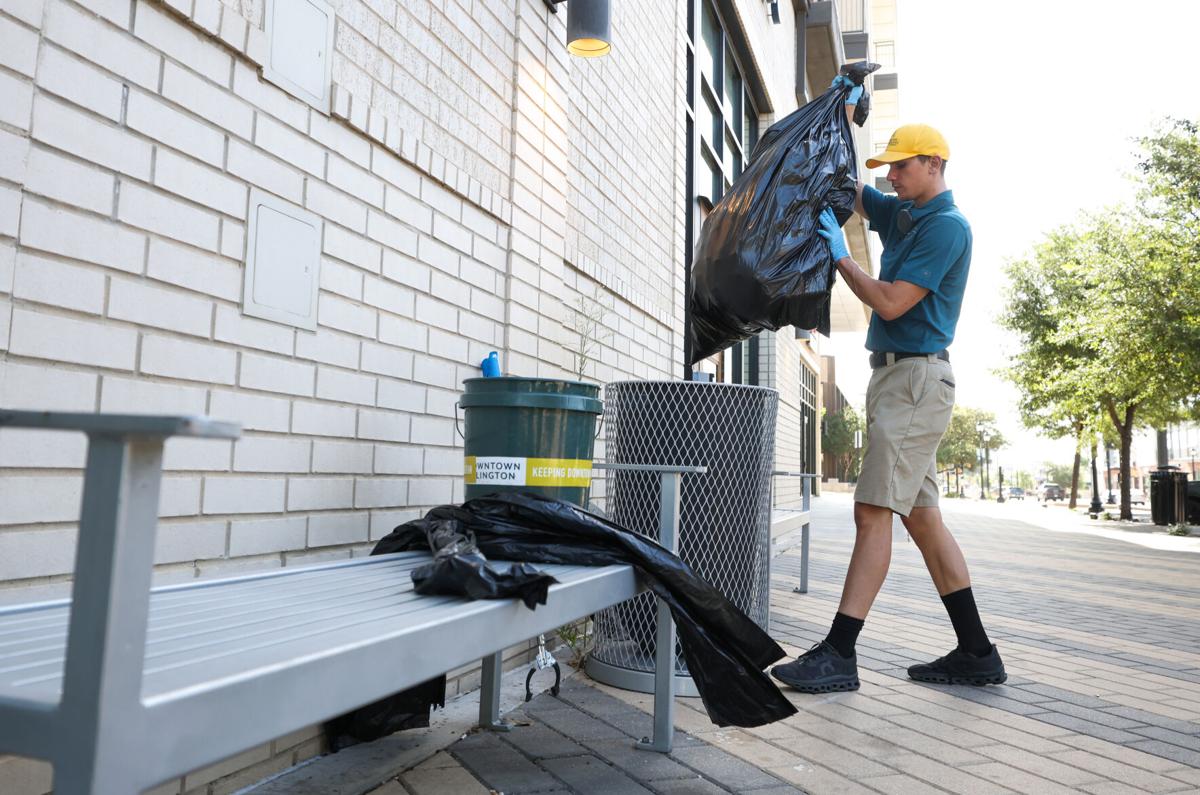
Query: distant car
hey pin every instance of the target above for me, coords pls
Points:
(1016, 493)
(1136, 496)
(1051, 491)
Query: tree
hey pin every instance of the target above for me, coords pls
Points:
(1108, 329)
(1169, 167)
(1145, 327)
(838, 438)
(1046, 294)
(1059, 473)
(1108, 310)
(1169, 199)
(965, 437)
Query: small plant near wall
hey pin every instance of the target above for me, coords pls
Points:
(1179, 530)
(588, 314)
(578, 638)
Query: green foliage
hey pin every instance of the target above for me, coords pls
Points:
(1108, 310)
(578, 637)
(837, 438)
(1169, 166)
(1179, 530)
(969, 431)
(1059, 473)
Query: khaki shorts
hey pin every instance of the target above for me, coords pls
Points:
(908, 408)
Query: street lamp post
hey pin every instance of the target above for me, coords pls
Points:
(979, 472)
(1095, 508)
(987, 467)
(1108, 471)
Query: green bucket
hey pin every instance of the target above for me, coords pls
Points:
(529, 434)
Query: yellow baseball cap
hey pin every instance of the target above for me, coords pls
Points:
(909, 141)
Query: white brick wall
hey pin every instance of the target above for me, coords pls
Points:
(468, 202)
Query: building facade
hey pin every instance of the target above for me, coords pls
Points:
(317, 220)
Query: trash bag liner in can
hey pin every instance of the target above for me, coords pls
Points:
(759, 263)
(725, 514)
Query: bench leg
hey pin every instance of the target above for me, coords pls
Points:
(102, 675)
(489, 694)
(803, 559)
(664, 641)
(664, 681)
(804, 530)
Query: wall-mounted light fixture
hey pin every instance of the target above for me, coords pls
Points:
(588, 30)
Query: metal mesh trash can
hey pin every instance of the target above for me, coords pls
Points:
(725, 514)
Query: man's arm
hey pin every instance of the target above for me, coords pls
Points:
(889, 300)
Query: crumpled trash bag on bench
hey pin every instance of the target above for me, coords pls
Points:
(458, 569)
(759, 263)
(726, 652)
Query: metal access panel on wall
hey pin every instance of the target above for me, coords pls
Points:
(300, 49)
(283, 262)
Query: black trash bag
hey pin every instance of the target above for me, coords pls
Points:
(760, 264)
(458, 569)
(726, 652)
(408, 709)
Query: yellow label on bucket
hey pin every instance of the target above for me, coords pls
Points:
(508, 471)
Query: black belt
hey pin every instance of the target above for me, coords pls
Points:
(880, 358)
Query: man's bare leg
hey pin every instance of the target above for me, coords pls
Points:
(943, 558)
(976, 660)
(832, 665)
(870, 560)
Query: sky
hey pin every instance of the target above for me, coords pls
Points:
(1039, 102)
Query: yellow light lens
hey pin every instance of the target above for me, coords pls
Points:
(588, 48)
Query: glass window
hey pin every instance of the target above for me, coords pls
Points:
(711, 176)
(709, 49)
(713, 129)
(733, 156)
(749, 130)
(885, 53)
(733, 87)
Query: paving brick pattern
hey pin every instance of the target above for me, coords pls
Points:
(1101, 639)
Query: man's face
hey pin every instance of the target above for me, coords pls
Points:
(912, 178)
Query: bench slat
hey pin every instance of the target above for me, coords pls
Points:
(205, 631)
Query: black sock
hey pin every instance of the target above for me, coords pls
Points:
(844, 633)
(964, 615)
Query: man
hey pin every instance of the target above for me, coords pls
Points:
(916, 303)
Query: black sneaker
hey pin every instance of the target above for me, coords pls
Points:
(819, 670)
(960, 668)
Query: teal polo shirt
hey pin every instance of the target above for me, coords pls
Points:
(936, 255)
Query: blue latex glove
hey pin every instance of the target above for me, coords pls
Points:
(833, 234)
(841, 81)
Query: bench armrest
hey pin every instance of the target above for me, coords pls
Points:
(122, 424)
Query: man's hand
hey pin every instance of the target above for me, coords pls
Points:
(841, 81)
(833, 235)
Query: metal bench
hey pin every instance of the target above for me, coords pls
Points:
(123, 686)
